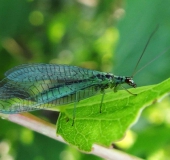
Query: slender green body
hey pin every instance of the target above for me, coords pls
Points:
(38, 86)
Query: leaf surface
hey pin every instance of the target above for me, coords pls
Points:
(119, 111)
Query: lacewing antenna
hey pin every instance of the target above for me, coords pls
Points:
(134, 72)
(153, 60)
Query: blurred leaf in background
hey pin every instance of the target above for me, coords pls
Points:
(95, 34)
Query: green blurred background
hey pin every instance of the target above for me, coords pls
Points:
(101, 35)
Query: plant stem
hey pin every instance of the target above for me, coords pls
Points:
(36, 124)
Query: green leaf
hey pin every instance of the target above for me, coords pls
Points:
(119, 111)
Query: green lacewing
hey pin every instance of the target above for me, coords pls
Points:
(38, 86)
(31, 87)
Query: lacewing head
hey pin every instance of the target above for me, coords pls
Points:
(130, 82)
